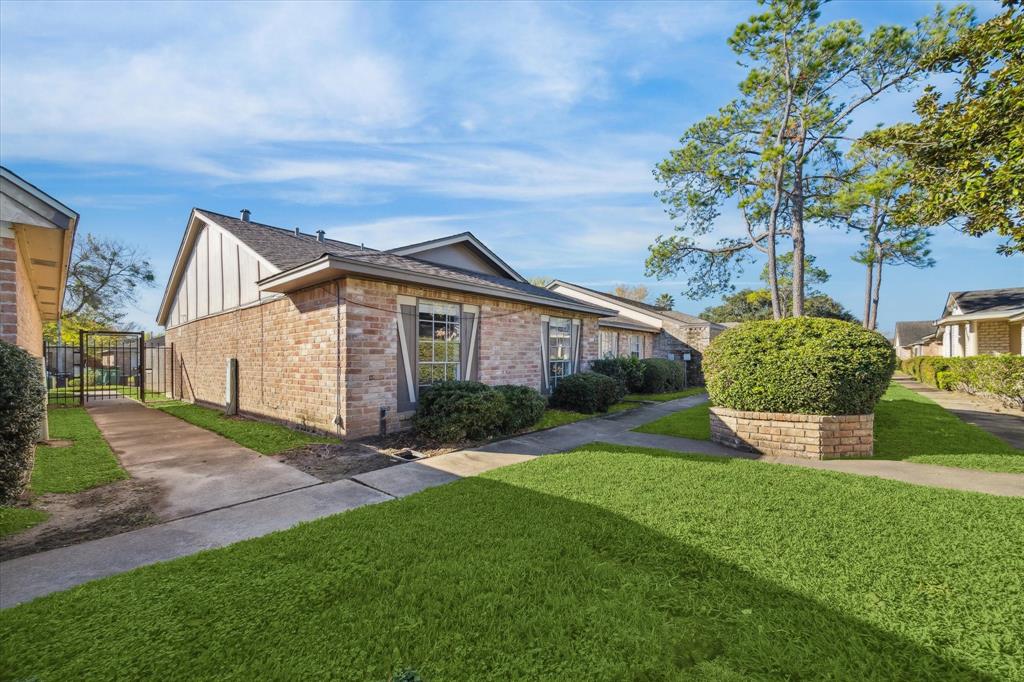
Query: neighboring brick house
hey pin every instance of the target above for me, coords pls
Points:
(342, 338)
(916, 338)
(36, 237)
(982, 322)
(667, 333)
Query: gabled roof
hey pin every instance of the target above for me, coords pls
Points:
(466, 238)
(620, 322)
(301, 260)
(985, 301)
(639, 306)
(910, 333)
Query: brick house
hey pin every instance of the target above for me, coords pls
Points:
(667, 334)
(982, 322)
(37, 233)
(342, 338)
(915, 338)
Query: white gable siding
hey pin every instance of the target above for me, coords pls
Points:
(220, 274)
(459, 256)
(608, 303)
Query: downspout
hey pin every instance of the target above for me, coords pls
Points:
(338, 421)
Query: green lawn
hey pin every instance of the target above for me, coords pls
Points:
(14, 519)
(85, 464)
(908, 426)
(913, 428)
(606, 563)
(263, 437)
(693, 422)
(554, 417)
(665, 397)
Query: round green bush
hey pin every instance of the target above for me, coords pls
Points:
(455, 411)
(587, 392)
(799, 365)
(524, 406)
(662, 376)
(628, 370)
(21, 413)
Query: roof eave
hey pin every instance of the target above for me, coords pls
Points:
(469, 237)
(1010, 315)
(329, 267)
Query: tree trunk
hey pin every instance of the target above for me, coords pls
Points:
(878, 286)
(868, 291)
(799, 252)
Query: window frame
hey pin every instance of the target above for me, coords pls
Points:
(453, 314)
(612, 348)
(638, 341)
(564, 364)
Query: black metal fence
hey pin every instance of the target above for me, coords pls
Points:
(103, 365)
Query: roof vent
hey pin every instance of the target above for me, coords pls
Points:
(245, 215)
(320, 235)
(297, 233)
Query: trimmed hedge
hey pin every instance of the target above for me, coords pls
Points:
(799, 365)
(997, 376)
(662, 376)
(21, 413)
(627, 370)
(587, 392)
(457, 411)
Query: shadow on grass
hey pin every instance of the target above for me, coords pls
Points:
(474, 580)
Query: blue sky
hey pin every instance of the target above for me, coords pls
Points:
(535, 126)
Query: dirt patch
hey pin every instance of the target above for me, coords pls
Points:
(77, 517)
(333, 462)
(58, 443)
(402, 441)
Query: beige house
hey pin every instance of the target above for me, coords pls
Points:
(665, 334)
(913, 339)
(36, 237)
(983, 322)
(342, 338)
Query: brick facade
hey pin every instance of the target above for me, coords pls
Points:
(295, 367)
(20, 320)
(676, 339)
(993, 337)
(622, 341)
(794, 435)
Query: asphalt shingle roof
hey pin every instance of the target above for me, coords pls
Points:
(285, 250)
(909, 333)
(989, 300)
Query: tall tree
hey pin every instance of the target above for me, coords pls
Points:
(665, 302)
(634, 293)
(104, 278)
(966, 151)
(540, 280)
(866, 203)
(773, 151)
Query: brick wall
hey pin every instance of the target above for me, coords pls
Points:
(288, 352)
(993, 337)
(676, 339)
(20, 321)
(794, 435)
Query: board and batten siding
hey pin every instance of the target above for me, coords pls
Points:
(220, 274)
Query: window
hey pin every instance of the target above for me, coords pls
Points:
(609, 347)
(438, 340)
(559, 353)
(636, 345)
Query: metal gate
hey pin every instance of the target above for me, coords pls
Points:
(105, 365)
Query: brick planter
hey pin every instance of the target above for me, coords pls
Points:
(813, 436)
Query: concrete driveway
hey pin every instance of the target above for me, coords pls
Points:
(195, 469)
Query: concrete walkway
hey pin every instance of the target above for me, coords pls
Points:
(1004, 423)
(196, 470)
(32, 576)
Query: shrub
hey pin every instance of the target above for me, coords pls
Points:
(662, 376)
(454, 411)
(21, 413)
(587, 392)
(802, 365)
(999, 376)
(629, 371)
(524, 407)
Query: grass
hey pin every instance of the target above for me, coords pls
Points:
(555, 417)
(693, 422)
(17, 519)
(913, 428)
(664, 397)
(86, 463)
(608, 563)
(908, 426)
(263, 437)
